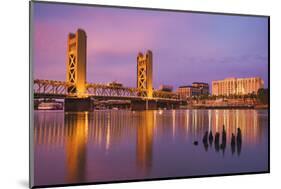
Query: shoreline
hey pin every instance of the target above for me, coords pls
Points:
(187, 108)
(257, 107)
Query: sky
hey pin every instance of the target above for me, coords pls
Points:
(187, 47)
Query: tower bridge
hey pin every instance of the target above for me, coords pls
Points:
(78, 94)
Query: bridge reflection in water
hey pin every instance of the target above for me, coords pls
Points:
(76, 126)
(113, 145)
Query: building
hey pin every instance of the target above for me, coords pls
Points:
(204, 87)
(237, 86)
(144, 73)
(196, 89)
(188, 91)
(76, 62)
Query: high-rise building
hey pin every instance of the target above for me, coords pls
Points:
(144, 73)
(76, 62)
(237, 86)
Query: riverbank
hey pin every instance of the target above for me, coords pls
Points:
(260, 106)
(227, 103)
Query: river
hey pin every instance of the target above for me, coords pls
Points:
(113, 145)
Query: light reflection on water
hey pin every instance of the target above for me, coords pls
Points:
(123, 145)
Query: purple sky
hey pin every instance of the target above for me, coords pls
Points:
(186, 47)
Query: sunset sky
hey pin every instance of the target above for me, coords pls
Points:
(187, 47)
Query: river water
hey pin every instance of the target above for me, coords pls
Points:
(113, 145)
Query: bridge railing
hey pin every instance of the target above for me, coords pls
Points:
(50, 87)
(107, 90)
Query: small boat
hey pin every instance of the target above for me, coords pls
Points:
(50, 106)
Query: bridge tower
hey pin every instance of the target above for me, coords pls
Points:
(76, 63)
(144, 73)
(78, 99)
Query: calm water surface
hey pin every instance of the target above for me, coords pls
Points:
(123, 145)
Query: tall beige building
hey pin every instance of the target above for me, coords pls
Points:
(144, 73)
(76, 62)
(237, 86)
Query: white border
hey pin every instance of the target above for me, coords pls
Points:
(14, 92)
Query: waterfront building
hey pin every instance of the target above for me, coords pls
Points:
(203, 87)
(188, 91)
(237, 86)
(196, 89)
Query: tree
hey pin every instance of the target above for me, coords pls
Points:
(263, 96)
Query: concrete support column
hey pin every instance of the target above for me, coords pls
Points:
(77, 104)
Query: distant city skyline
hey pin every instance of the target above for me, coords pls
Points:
(187, 47)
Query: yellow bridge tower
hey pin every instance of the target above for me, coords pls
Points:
(76, 73)
(144, 74)
(76, 63)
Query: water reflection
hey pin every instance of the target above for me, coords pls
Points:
(233, 144)
(76, 126)
(145, 140)
(109, 145)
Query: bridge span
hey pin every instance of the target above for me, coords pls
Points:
(50, 89)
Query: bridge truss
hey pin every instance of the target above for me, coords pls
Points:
(62, 89)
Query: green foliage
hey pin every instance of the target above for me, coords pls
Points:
(263, 96)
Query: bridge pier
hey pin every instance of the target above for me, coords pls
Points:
(168, 105)
(154, 104)
(75, 104)
(143, 105)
